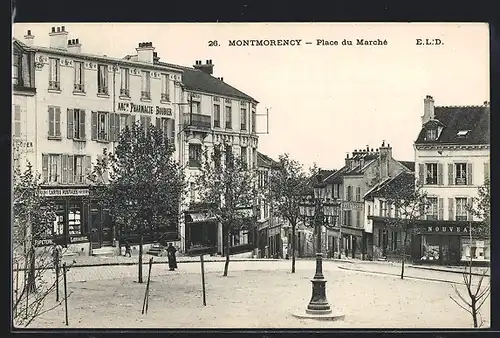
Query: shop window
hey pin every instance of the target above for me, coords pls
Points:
(75, 219)
(430, 248)
(59, 222)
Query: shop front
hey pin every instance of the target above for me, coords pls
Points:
(201, 233)
(440, 244)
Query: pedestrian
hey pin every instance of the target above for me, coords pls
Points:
(172, 262)
(127, 249)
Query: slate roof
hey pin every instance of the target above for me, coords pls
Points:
(337, 176)
(265, 161)
(405, 179)
(198, 80)
(408, 164)
(460, 118)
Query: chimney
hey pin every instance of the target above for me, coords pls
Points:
(145, 52)
(428, 109)
(156, 58)
(348, 161)
(58, 37)
(74, 45)
(29, 39)
(385, 156)
(208, 67)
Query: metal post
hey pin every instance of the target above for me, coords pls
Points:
(17, 286)
(65, 293)
(56, 263)
(203, 279)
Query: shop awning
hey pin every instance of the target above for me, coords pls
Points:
(199, 217)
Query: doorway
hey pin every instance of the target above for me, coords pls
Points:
(101, 227)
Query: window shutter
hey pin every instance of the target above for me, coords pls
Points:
(486, 171)
(469, 208)
(170, 129)
(17, 120)
(148, 121)
(450, 174)
(131, 120)
(52, 119)
(440, 174)
(88, 167)
(440, 209)
(69, 123)
(112, 129)
(451, 216)
(421, 177)
(58, 121)
(64, 169)
(45, 168)
(83, 136)
(469, 173)
(71, 169)
(94, 126)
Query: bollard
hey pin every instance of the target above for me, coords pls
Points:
(65, 293)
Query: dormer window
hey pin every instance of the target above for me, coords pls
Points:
(463, 133)
(431, 134)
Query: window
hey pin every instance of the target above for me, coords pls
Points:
(463, 133)
(75, 168)
(382, 210)
(17, 69)
(461, 209)
(217, 156)
(349, 193)
(358, 218)
(216, 115)
(54, 122)
(254, 157)
(102, 79)
(432, 211)
(195, 155)
(244, 156)
(17, 120)
(145, 122)
(76, 124)
(79, 79)
(348, 217)
(124, 82)
(78, 168)
(51, 167)
(229, 156)
(431, 134)
(229, 122)
(460, 173)
(394, 240)
(146, 85)
(336, 190)
(431, 173)
(100, 128)
(369, 210)
(54, 83)
(192, 191)
(124, 122)
(165, 88)
(243, 118)
(358, 194)
(254, 122)
(165, 125)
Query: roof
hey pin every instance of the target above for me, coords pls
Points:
(265, 161)
(475, 119)
(336, 177)
(326, 173)
(403, 179)
(408, 164)
(368, 158)
(198, 80)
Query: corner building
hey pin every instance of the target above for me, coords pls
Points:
(82, 103)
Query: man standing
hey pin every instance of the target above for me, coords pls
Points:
(172, 262)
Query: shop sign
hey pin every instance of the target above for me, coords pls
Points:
(130, 107)
(352, 206)
(447, 229)
(65, 192)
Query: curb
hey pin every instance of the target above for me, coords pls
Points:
(451, 271)
(397, 275)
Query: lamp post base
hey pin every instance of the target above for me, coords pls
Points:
(319, 315)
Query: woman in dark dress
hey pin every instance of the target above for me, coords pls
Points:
(172, 262)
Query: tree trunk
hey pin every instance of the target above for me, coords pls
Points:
(293, 246)
(474, 313)
(226, 249)
(403, 256)
(141, 242)
(31, 271)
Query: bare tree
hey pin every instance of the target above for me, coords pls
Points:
(226, 189)
(140, 182)
(33, 221)
(409, 203)
(287, 185)
(475, 298)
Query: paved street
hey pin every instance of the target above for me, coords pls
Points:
(258, 294)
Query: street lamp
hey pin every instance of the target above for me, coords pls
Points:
(322, 211)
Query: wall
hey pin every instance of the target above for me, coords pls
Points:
(475, 156)
(25, 146)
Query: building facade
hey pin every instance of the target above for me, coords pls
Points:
(363, 169)
(82, 103)
(212, 116)
(452, 155)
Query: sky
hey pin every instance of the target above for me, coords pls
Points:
(323, 100)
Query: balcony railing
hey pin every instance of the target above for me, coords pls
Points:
(432, 217)
(102, 90)
(461, 217)
(146, 95)
(229, 125)
(165, 97)
(460, 181)
(217, 123)
(125, 92)
(194, 163)
(198, 121)
(55, 85)
(431, 180)
(243, 126)
(78, 87)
